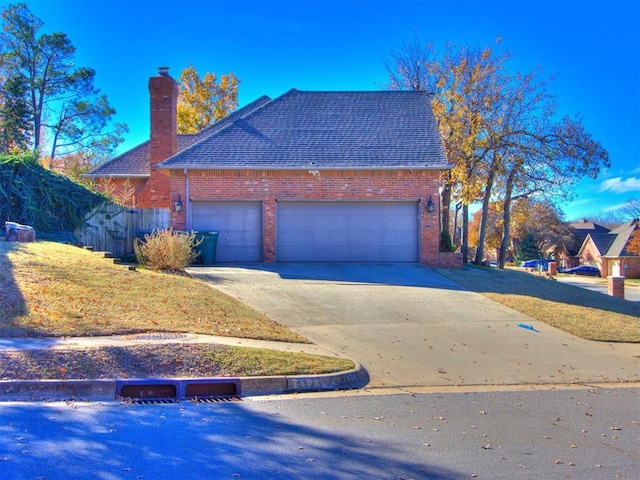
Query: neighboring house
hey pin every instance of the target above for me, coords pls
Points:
(567, 254)
(307, 176)
(608, 251)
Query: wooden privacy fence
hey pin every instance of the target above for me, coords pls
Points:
(113, 228)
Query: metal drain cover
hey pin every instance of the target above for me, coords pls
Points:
(160, 336)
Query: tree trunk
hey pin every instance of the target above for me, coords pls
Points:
(506, 221)
(445, 205)
(465, 233)
(483, 219)
(456, 238)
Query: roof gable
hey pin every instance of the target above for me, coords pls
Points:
(325, 130)
(618, 247)
(614, 243)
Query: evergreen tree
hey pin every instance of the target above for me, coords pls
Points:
(527, 249)
(60, 98)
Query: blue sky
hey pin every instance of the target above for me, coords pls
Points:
(592, 47)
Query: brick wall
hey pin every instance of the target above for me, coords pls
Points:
(268, 186)
(127, 191)
(630, 266)
(633, 267)
(590, 255)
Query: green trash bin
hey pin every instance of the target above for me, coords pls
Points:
(207, 249)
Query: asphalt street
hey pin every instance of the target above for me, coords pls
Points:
(586, 433)
(600, 285)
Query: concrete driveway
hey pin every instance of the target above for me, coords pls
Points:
(408, 326)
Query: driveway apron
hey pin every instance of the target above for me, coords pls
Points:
(408, 326)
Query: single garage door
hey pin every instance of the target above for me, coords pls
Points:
(239, 225)
(347, 232)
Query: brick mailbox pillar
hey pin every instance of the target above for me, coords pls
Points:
(553, 268)
(616, 286)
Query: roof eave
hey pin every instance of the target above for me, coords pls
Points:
(115, 175)
(308, 167)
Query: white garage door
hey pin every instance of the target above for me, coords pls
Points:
(239, 225)
(347, 232)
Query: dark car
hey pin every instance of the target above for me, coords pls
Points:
(583, 270)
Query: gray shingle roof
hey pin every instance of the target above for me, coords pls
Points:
(580, 231)
(614, 243)
(135, 162)
(325, 130)
(621, 234)
(602, 241)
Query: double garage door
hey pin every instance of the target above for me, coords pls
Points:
(347, 232)
(314, 231)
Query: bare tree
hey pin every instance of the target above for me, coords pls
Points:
(631, 209)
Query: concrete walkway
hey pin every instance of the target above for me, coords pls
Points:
(409, 326)
(12, 344)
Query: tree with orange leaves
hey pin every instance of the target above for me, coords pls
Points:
(203, 101)
(634, 244)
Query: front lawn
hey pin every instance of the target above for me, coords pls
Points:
(581, 312)
(51, 289)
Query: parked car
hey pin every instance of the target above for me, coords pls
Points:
(583, 270)
(537, 264)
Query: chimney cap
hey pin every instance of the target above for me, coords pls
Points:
(163, 71)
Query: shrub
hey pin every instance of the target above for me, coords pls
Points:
(446, 245)
(167, 250)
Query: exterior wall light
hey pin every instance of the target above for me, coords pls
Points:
(178, 205)
(430, 207)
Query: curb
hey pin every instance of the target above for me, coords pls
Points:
(107, 390)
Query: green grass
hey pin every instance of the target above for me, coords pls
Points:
(581, 312)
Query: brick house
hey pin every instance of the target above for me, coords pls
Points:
(608, 251)
(307, 176)
(567, 253)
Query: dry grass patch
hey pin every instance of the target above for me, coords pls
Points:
(575, 310)
(51, 289)
(164, 360)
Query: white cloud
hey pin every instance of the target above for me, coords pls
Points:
(579, 203)
(618, 185)
(614, 208)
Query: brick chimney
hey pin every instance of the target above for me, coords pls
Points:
(163, 91)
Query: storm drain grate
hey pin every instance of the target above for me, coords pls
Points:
(150, 391)
(160, 336)
(215, 400)
(164, 401)
(155, 401)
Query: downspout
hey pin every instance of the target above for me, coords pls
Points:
(187, 202)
